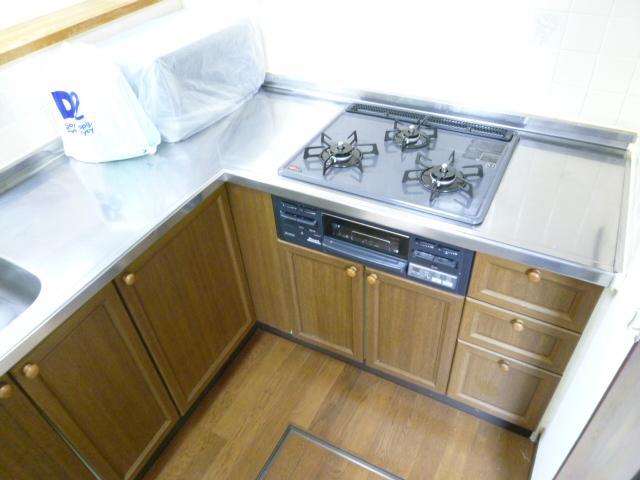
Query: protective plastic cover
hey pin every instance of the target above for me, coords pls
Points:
(98, 116)
(187, 73)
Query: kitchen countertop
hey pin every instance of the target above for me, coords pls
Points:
(76, 225)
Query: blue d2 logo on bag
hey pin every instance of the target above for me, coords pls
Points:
(67, 103)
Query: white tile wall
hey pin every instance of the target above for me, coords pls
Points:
(573, 59)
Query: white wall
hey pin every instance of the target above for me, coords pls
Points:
(575, 59)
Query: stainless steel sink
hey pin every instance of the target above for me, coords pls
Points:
(18, 290)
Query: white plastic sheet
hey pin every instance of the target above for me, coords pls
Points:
(187, 73)
(98, 116)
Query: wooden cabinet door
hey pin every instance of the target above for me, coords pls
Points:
(93, 378)
(518, 336)
(540, 294)
(501, 386)
(327, 293)
(411, 329)
(29, 447)
(262, 254)
(189, 298)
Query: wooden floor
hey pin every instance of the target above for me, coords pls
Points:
(275, 382)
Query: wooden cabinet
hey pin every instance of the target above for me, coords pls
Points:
(504, 387)
(543, 295)
(411, 329)
(328, 300)
(263, 257)
(93, 379)
(189, 298)
(518, 336)
(30, 448)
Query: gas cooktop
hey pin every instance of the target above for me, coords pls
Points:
(438, 165)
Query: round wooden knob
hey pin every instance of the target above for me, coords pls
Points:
(504, 365)
(31, 370)
(352, 271)
(533, 274)
(372, 279)
(517, 325)
(6, 391)
(129, 278)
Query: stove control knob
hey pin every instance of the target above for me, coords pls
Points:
(351, 271)
(533, 274)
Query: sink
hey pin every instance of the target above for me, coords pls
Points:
(18, 290)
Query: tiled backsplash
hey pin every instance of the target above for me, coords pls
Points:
(572, 59)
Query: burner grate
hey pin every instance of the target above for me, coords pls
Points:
(411, 136)
(340, 154)
(443, 178)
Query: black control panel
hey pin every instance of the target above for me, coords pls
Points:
(437, 264)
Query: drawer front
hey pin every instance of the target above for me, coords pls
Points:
(517, 336)
(543, 295)
(500, 385)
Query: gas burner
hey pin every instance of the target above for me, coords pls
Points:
(443, 178)
(411, 137)
(341, 154)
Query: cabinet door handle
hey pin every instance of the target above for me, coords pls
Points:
(129, 279)
(534, 276)
(31, 371)
(517, 325)
(372, 278)
(6, 391)
(351, 271)
(504, 365)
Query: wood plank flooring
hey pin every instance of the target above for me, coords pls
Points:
(275, 382)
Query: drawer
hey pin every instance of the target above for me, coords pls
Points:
(499, 385)
(540, 294)
(517, 336)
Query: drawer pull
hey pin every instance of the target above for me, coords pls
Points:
(31, 371)
(372, 279)
(534, 276)
(6, 391)
(351, 271)
(129, 279)
(504, 365)
(517, 325)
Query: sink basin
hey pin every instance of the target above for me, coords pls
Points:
(18, 290)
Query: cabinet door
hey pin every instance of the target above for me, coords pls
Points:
(518, 336)
(327, 294)
(189, 298)
(93, 378)
(263, 259)
(411, 329)
(31, 449)
(543, 295)
(501, 386)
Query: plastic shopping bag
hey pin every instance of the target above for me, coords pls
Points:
(187, 71)
(96, 112)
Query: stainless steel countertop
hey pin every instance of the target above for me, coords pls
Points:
(77, 225)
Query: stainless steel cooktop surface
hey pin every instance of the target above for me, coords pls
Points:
(441, 166)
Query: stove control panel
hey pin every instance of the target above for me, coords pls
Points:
(434, 263)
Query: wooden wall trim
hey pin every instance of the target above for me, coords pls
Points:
(41, 32)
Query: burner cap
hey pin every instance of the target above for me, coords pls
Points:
(341, 151)
(442, 176)
(412, 136)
